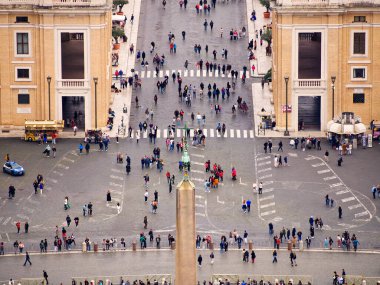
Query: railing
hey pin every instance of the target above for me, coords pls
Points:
(234, 278)
(161, 278)
(328, 2)
(49, 3)
(309, 83)
(72, 83)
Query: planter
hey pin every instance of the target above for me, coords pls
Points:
(120, 13)
(266, 15)
(116, 46)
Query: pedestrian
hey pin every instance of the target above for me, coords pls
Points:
(274, 255)
(340, 212)
(27, 258)
(293, 257)
(26, 227)
(253, 256)
(68, 220)
(261, 188)
(109, 199)
(46, 277)
(373, 190)
(212, 258)
(54, 149)
(80, 147)
(35, 186)
(200, 260)
(18, 226)
(76, 220)
(145, 222)
(280, 146)
(183, 35)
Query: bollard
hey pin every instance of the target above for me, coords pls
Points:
(134, 245)
(211, 245)
(95, 247)
(250, 245)
(301, 245)
(84, 247)
(289, 245)
(173, 245)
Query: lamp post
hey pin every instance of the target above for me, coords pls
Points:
(49, 81)
(96, 102)
(333, 94)
(286, 133)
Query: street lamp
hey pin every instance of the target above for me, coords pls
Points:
(49, 81)
(96, 103)
(333, 94)
(286, 133)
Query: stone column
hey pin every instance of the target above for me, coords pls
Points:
(186, 267)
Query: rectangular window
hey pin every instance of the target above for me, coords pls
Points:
(22, 19)
(22, 43)
(359, 73)
(360, 19)
(23, 73)
(358, 98)
(359, 43)
(23, 99)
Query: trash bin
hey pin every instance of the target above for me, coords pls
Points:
(211, 246)
(301, 245)
(289, 245)
(134, 245)
(95, 247)
(250, 245)
(84, 247)
(173, 245)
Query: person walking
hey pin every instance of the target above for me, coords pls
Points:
(46, 277)
(26, 227)
(340, 212)
(293, 257)
(280, 146)
(200, 260)
(212, 256)
(274, 255)
(261, 188)
(18, 226)
(68, 220)
(253, 256)
(145, 222)
(27, 258)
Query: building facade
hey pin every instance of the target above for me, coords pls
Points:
(330, 52)
(54, 54)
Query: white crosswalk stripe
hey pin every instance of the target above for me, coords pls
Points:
(268, 213)
(158, 134)
(198, 73)
(185, 73)
(345, 200)
(267, 205)
(148, 74)
(205, 132)
(161, 73)
(323, 171)
(191, 73)
(355, 206)
(365, 213)
(238, 133)
(266, 198)
(211, 133)
(245, 134)
(165, 133)
(142, 74)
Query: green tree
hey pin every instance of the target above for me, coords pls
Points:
(267, 36)
(120, 3)
(266, 4)
(117, 32)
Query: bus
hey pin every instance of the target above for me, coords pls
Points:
(35, 130)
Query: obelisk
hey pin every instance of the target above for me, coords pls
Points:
(186, 268)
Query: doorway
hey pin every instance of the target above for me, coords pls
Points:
(309, 113)
(73, 112)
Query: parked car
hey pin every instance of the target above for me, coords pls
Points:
(13, 168)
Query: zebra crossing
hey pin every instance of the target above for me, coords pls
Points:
(340, 192)
(186, 73)
(209, 133)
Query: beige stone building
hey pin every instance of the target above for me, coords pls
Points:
(330, 51)
(51, 51)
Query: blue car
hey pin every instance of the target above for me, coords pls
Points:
(13, 168)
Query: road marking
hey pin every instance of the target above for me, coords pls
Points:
(197, 163)
(225, 135)
(145, 134)
(251, 135)
(238, 135)
(310, 158)
(68, 159)
(200, 214)
(336, 185)
(355, 206)
(323, 171)
(115, 184)
(196, 171)
(158, 134)
(116, 170)
(196, 179)
(161, 73)
(318, 164)
(345, 200)
(148, 74)
(165, 133)
(186, 73)
(263, 158)
(329, 178)
(265, 176)
(198, 73)
(342, 192)
(292, 154)
(204, 73)
(57, 172)
(142, 74)
(200, 205)
(264, 170)
(52, 180)
(278, 219)
(266, 198)
(361, 214)
(191, 73)
(205, 132)
(116, 177)
(263, 163)
(268, 213)
(199, 197)
(219, 201)
(62, 166)
(217, 134)
(267, 205)
(197, 155)
(268, 190)
(178, 133)
(245, 134)
(267, 182)
(232, 133)
(211, 133)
